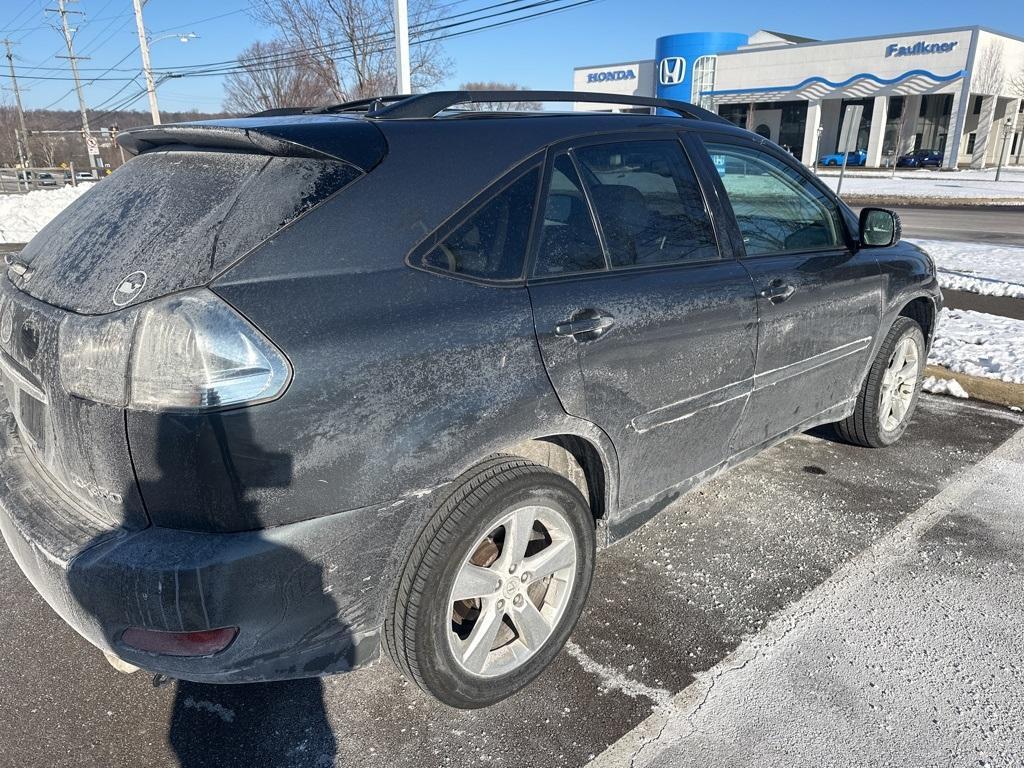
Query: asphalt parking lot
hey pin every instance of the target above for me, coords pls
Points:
(667, 604)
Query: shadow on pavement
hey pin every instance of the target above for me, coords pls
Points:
(243, 724)
(258, 724)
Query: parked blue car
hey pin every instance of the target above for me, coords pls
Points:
(860, 157)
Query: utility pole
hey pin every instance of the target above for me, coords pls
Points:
(24, 151)
(147, 70)
(91, 147)
(404, 80)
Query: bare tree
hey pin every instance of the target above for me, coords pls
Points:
(989, 76)
(1016, 83)
(272, 78)
(8, 125)
(349, 44)
(46, 147)
(502, 106)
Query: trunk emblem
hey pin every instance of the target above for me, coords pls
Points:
(129, 288)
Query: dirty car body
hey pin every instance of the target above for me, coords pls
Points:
(256, 528)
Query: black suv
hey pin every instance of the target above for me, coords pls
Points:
(288, 388)
(922, 158)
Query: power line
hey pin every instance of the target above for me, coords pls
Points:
(285, 59)
(18, 15)
(189, 24)
(342, 46)
(39, 27)
(273, 62)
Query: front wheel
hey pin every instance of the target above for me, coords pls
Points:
(494, 585)
(888, 396)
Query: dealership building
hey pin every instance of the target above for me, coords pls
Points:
(959, 91)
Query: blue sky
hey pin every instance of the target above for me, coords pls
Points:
(539, 53)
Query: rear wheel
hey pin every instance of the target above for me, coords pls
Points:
(888, 396)
(494, 585)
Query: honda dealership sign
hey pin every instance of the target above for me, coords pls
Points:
(672, 70)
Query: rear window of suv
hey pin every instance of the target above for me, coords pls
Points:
(178, 215)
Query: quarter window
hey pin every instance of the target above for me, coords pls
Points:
(568, 241)
(491, 243)
(777, 208)
(648, 203)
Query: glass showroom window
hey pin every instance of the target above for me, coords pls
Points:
(703, 80)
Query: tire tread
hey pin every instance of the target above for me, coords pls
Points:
(859, 428)
(470, 490)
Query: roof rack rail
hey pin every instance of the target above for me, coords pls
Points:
(360, 105)
(430, 104)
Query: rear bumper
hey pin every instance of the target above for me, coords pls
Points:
(308, 597)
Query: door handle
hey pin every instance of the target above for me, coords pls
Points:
(587, 325)
(778, 291)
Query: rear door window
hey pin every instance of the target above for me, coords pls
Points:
(568, 241)
(491, 243)
(778, 210)
(648, 203)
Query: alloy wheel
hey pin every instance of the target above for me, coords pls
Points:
(898, 384)
(512, 590)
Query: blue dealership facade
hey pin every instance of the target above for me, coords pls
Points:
(959, 92)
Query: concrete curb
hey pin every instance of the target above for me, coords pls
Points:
(987, 390)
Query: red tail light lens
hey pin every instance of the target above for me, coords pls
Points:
(204, 643)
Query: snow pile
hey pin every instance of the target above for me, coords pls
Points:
(934, 184)
(979, 345)
(991, 270)
(22, 216)
(939, 386)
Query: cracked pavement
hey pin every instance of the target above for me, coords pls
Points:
(724, 581)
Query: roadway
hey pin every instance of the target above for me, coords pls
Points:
(1002, 225)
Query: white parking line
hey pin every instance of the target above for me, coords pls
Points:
(823, 665)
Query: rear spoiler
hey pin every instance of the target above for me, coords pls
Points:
(353, 141)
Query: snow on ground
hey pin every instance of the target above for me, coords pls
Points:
(990, 270)
(21, 216)
(939, 386)
(979, 344)
(933, 184)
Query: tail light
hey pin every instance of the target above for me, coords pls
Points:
(202, 643)
(189, 351)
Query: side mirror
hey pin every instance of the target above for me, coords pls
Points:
(879, 228)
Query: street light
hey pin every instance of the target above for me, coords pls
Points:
(1007, 132)
(144, 42)
(817, 146)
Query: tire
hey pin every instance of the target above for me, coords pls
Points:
(430, 635)
(875, 423)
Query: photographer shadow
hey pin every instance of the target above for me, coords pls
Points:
(282, 723)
